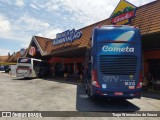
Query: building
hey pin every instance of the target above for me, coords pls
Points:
(69, 56)
(3, 59)
(11, 59)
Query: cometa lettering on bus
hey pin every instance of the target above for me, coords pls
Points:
(117, 49)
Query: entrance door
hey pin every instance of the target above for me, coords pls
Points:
(58, 69)
(79, 68)
(69, 68)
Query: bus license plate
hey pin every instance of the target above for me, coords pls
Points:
(118, 93)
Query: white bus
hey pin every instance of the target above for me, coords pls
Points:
(13, 70)
(30, 68)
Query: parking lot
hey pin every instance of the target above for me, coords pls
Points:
(60, 95)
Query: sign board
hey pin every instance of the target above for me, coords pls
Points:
(32, 51)
(123, 13)
(67, 36)
(24, 60)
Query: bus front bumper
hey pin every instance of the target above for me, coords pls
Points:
(24, 75)
(130, 94)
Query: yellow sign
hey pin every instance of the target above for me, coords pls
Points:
(122, 22)
(123, 13)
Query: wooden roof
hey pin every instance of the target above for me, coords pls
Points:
(43, 42)
(14, 57)
(147, 19)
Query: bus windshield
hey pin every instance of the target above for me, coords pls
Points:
(115, 35)
(24, 60)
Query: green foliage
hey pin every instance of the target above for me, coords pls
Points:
(127, 9)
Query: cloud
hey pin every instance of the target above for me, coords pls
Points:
(140, 2)
(34, 6)
(80, 11)
(9, 2)
(4, 25)
(25, 44)
(8, 31)
(22, 29)
(20, 3)
(30, 23)
(51, 5)
(4, 52)
(50, 33)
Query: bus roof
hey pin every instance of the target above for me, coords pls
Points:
(116, 27)
(116, 33)
(30, 58)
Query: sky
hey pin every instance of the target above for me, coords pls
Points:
(22, 19)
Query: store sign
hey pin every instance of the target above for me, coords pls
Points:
(123, 13)
(32, 51)
(67, 36)
(24, 60)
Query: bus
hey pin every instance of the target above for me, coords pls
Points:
(30, 68)
(113, 62)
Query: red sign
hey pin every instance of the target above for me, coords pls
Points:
(123, 17)
(32, 51)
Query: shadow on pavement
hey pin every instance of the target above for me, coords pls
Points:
(23, 79)
(149, 94)
(63, 80)
(85, 104)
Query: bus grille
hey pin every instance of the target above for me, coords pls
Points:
(118, 64)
